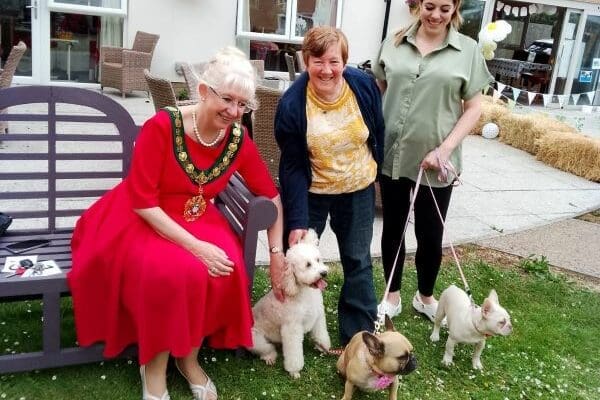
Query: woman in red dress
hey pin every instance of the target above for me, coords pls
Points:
(154, 261)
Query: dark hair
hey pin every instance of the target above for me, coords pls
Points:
(319, 38)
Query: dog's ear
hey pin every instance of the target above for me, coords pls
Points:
(374, 345)
(311, 237)
(289, 285)
(489, 303)
(389, 326)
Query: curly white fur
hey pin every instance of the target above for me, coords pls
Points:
(300, 313)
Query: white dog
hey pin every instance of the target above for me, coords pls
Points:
(469, 323)
(301, 312)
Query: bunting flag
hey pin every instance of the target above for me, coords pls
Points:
(516, 93)
(590, 96)
(547, 99)
(496, 94)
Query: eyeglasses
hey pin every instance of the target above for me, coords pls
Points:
(244, 106)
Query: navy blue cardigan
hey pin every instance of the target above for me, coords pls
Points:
(290, 132)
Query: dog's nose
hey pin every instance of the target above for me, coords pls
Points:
(411, 365)
(323, 274)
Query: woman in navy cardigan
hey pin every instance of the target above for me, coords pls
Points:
(329, 127)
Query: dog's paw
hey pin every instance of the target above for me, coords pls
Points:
(323, 348)
(295, 374)
(270, 358)
(477, 365)
(435, 337)
(447, 361)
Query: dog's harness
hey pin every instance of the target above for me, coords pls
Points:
(445, 167)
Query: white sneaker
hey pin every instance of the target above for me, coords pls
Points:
(390, 309)
(428, 310)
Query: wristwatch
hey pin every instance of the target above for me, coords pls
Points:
(275, 249)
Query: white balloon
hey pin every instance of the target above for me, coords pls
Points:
(490, 130)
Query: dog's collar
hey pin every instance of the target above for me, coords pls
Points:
(484, 334)
(383, 380)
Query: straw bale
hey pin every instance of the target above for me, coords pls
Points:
(571, 152)
(490, 112)
(522, 131)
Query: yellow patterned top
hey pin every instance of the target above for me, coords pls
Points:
(341, 160)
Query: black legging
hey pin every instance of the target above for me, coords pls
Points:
(395, 199)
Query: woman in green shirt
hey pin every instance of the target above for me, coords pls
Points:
(432, 77)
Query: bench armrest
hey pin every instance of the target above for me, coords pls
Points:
(247, 214)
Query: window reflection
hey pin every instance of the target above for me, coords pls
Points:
(273, 54)
(75, 41)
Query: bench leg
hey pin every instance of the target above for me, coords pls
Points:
(51, 323)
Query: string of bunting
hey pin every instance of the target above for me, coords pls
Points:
(546, 98)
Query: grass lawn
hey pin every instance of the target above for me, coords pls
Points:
(553, 352)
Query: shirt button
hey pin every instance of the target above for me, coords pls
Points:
(395, 146)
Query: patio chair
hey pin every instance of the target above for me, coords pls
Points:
(162, 93)
(123, 69)
(7, 73)
(259, 67)
(263, 128)
(191, 73)
(289, 60)
(300, 59)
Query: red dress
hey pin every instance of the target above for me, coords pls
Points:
(130, 285)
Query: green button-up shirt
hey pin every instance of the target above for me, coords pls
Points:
(423, 99)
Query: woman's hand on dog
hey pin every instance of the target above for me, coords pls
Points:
(295, 236)
(277, 272)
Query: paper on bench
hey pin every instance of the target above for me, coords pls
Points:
(50, 268)
(12, 262)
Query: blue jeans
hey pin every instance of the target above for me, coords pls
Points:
(352, 216)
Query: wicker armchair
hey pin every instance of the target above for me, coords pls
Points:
(123, 69)
(300, 59)
(289, 60)
(7, 73)
(263, 129)
(191, 73)
(162, 92)
(259, 67)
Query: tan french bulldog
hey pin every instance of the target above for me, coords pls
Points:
(469, 323)
(373, 362)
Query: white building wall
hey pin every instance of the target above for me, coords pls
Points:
(190, 30)
(193, 30)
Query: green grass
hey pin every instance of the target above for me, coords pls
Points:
(553, 352)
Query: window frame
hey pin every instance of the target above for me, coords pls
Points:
(58, 6)
(291, 13)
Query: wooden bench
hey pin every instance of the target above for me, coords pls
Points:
(66, 147)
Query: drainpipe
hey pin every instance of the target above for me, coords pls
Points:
(388, 3)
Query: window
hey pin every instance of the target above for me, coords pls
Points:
(268, 29)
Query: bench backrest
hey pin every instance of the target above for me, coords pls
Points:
(65, 147)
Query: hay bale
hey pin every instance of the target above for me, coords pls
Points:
(522, 131)
(490, 112)
(571, 152)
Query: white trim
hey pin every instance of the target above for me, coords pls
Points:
(88, 10)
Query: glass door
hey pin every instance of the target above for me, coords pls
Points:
(20, 21)
(567, 58)
(586, 79)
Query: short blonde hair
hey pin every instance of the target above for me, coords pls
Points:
(230, 69)
(319, 38)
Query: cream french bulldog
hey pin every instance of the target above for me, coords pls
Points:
(469, 323)
(373, 362)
